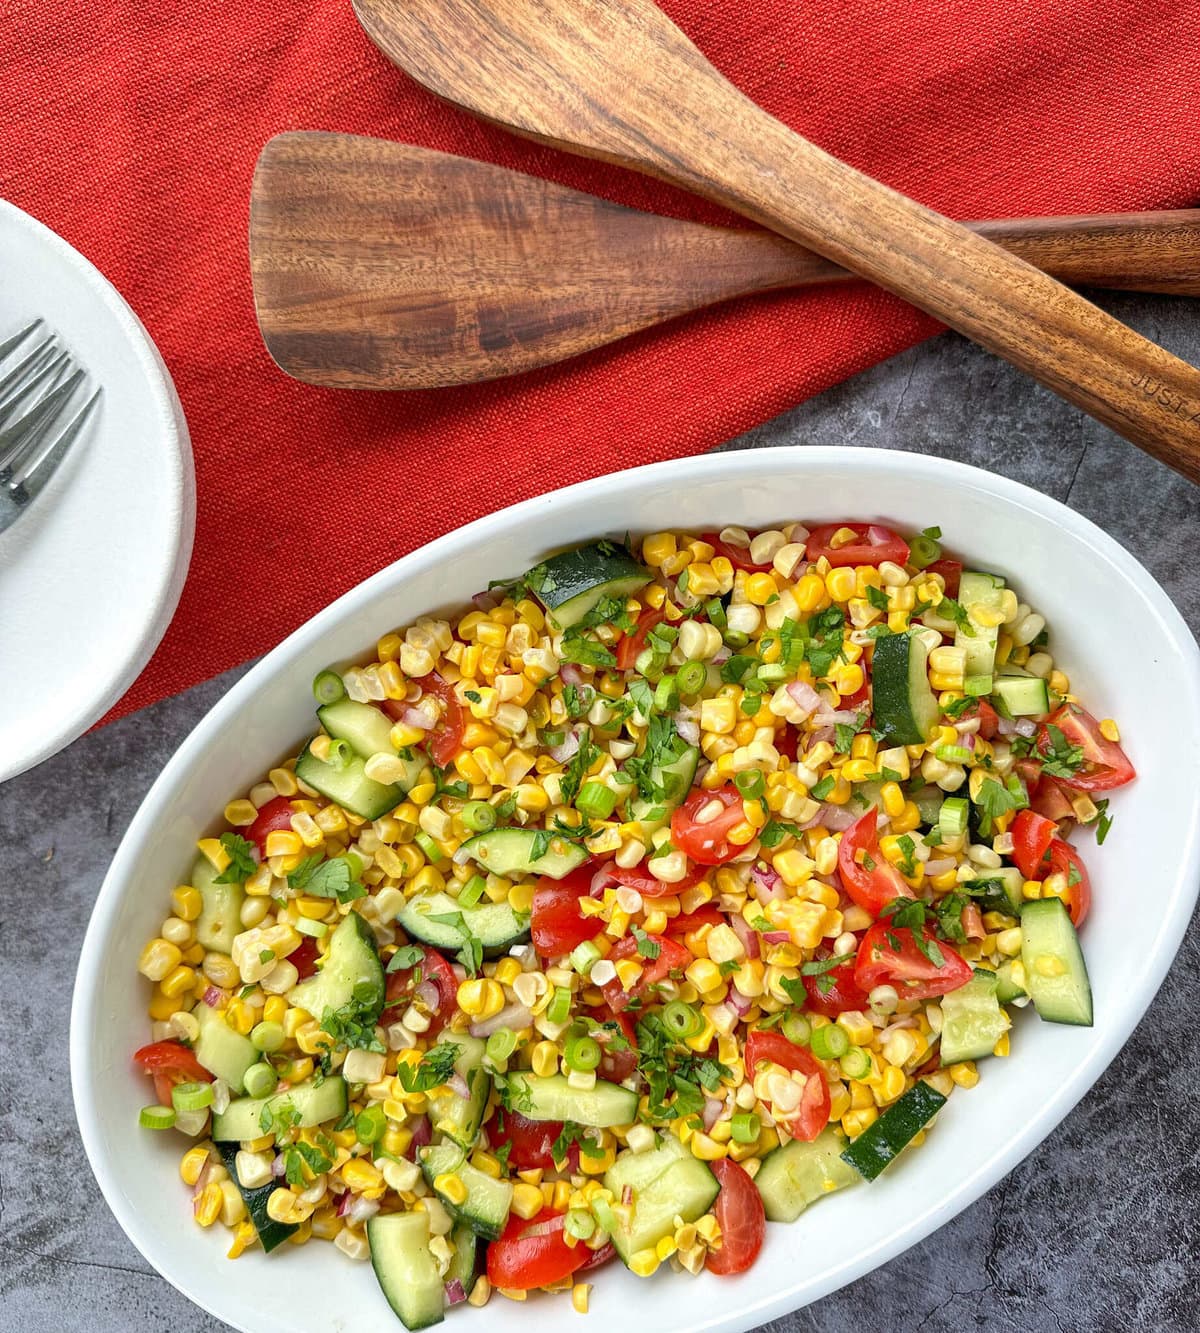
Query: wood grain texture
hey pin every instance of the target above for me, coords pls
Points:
(615, 79)
(386, 265)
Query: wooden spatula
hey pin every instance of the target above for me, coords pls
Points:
(615, 79)
(387, 266)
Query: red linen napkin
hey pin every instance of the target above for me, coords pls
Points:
(132, 130)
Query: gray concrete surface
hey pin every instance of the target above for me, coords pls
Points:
(1097, 1231)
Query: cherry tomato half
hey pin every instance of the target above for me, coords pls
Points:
(738, 556)
(812, 1115)
(873, 545)
(1105, 764)
(533, 1253)
(633, 642)
(867, 876)
(1065, 860)
(432, 968)
(672, 957)
(708, 843)
(741, 1217)
(274, 817)
(619, 1058)
(170, 1063)
(1032, 834)
(557, 925)
(950, 570)
(890, 955)
(841, 992)
(649, 887)
(530, 1141)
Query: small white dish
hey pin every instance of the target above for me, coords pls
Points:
(1114, 630)
(90, 577)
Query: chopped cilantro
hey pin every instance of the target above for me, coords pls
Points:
(470, 953)
(845, 737)
(407, 955)
(821, 969)
(1064, 759)
(776, 831)
(647, 945)
(949, 609)
(824, 787)
(435, 1068)
(877, 597)
(335, 878)
(242, 861)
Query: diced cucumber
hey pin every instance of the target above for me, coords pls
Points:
(905, 708)
(999, 890)
(972, 1020)
(314, 1104)
(495, 925)
(368, 730)
(464, 1264)
(797, 1174)
(226, 1054)
(406, 1269)
(1054, 968)
(270, 1232)
(349, 787)
(350, 974)
(1023, 696)
(570, 584)
(522, 851)
(977, 591)
(552, 1098)
(675, 779)
(929, 801)
(458, 1117)
(666, 1182)
(880, 1145)
(1008, 988)
(220, 919)
(485, 1209)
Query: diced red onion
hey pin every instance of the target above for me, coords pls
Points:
(804, 696)
(799, 533)
(279, 1167)
(968, 725)
(601, 879)
(841, 717)
(739, 1003)
(1025, 726)
(202, 1178)
(908, 1021)
(460, 972)
(455, 1292)
(429, 995)
(553, 1224)
(837, 818)
(721, 656)
(712, 1112)
(969, 740)
(776, 937)
(515, 1016)
(421, 718)
(213, 996)
(422, 1133)
(570, 746)
(877, 536)
(821, 734)
(768, 887)
(458, 1085)
(570, 674)
(688, 729)
(1005, 726)
(627, 1194)
(485, 601)
(360, 1210)
(748, 937)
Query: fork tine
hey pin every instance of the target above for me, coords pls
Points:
(15, 440)
(31, 389)
(34, 474)
(26, 366)
(10, 343)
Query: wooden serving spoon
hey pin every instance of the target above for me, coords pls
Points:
(381, 265)
(617, 80)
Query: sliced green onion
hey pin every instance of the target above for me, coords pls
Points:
(478, 816)
(584, 957)
(156, 1117)
(579, 1223)
(829, 1042)
(552, 737)
(433, 853)
(472, 891)
(191, 1096)
(559, 1008)
(501, 1044)
(370, 1125)
(328, 687)
(856, 1063)
(772, 671)
(267, 1037)
(736, 638)
(650, 663)
(952, 754)
(796, 1028)
(341, 754)
(745, 1127)
(596, 800)
(715, 610)
(260, 1080)
(750, 783)
(682, 1021)
(977, 686)
(582, 1053)
(691, 678)
(923, 551)
(314, 929)
(666, 695)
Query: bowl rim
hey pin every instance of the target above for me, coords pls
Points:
(746, 462)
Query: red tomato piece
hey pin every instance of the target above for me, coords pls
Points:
(873, 545)
(812, 1115)
(950, 570)
(1065, 860)
(274, 817)
(889, 955)
(557, 924)
(304, 957)
(530, 1141)
(616, 1065)
(432, 968)
(599, 1257)
(672, 957)
(633, 642)
(649, 887)
(787, 742)
(707, 843)
(741, 1217)
(1047, 798)
(1105, 764)
(445, 740)
(867, 876)
(170, 1063)
(1032, 834)
(842, 996)
(533, 1253)
(972, 922)
(738, 556)
(687, 921)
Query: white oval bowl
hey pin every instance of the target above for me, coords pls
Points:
(1129, 654)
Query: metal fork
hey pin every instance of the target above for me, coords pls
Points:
(39, 388)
